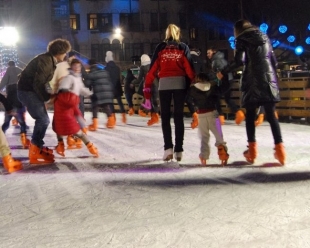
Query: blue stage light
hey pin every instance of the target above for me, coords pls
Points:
(232, 45)
(291, 38)
(308, 40)
(299, 50)
(263, 27)
(309, 27)
(275, 43)
(231, 39)
(282, 29)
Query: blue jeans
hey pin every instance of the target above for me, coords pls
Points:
(36, 109)
(19, 117)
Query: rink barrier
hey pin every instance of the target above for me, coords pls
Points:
(293, 103)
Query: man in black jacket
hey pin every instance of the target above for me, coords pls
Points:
(33, 92)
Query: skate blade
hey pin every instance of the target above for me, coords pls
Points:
(168, 158)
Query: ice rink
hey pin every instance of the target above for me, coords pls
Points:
(129, 197)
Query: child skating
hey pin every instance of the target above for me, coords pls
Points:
(67, 116)
(203, 96)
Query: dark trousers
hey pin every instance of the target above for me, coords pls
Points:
(231, 104)
(250, 118)
(120, 104)
(129, 99)
(165, 97)
(19, 117)
(105, 108)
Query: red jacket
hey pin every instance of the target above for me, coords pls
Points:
(170, 59)
(65, 112)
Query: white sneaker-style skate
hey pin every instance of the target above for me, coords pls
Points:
(178, 156)
(168, 155)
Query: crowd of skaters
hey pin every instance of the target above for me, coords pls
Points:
(173, 74)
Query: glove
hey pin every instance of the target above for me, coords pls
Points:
(147, 104)
(147, 93)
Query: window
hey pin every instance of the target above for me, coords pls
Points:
(92, 21)
(75, 22)
(193, 34)
(182, 20)
(211, 33)
(101, 22)
(222, 33)
(163, 23)
(130, 22)
(105, 22)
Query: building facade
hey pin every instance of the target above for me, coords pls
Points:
(90, 26)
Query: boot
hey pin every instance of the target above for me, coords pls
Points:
(178, 156)
(60, 148)
(94, 126)
(39, 156)
(223, 155)
(111, 122)
(280, 153)
(251, 153)
(203, 161)
(239, 117)
(142, 113)
(124, 120)
(168, 155)
(194, 122)
(73, 143)
(222, 119)
(24, 140)
(154, 119)
(11, 164)
(259, 120)
(131, 112)
(92, 149)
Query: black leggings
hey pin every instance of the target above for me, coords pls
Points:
(270, 117)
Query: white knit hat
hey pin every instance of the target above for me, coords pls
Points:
(109, 56)
(145, 59)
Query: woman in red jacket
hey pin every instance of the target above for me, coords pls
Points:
(171, 63)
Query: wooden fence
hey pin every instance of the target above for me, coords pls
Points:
(293, 103)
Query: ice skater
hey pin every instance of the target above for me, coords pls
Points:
(259, 84)
(203, 97)
(67, 116)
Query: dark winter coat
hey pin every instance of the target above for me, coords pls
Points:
(100, 82)
(203, 96)
(259, 82)
(65, 110)
(9, 81)
(115, 74)
(142, 73)
(38, 72)
(129, 86)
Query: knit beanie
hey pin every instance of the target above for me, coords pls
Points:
(109, 56)
(145, 59)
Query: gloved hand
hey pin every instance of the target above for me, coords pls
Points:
(147, 93)
(147, 104)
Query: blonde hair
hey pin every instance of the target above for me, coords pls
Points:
(173, 32)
